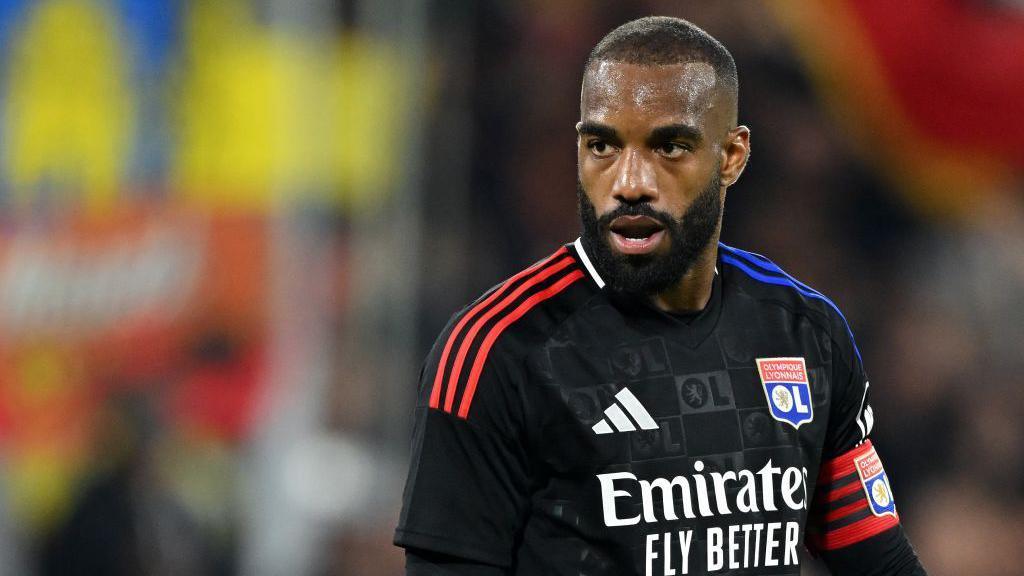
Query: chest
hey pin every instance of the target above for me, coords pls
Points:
(653, 397)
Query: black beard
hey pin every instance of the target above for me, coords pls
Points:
(651, 274)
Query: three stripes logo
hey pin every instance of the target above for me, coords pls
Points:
(615, 419)
(465, 352)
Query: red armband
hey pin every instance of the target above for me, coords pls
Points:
(853, 501)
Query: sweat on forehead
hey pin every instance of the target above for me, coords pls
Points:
(699, 75)
(690, 92)
(660, 40)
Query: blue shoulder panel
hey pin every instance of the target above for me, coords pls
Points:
(764, 270)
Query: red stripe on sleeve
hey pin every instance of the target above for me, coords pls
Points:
(435, 392)
(492, 336)
(460, 358)
(843, 465)
(844, 511)
(846, 490)
(840, 467)
(860, 530)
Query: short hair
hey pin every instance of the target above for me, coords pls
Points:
(658, 40)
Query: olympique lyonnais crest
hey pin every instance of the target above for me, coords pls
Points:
(876, 484)
(787, 389)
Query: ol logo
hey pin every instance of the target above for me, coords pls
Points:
(875, 483)
(787, 389)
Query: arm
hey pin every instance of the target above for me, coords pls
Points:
(853, 523)
(891, 553)
(466, 495)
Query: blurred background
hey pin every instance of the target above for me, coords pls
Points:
(231, 229)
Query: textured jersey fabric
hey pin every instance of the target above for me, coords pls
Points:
(564, 428)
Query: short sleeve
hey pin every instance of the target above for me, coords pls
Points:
(466, 492)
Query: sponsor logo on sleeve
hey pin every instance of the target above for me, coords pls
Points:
(875, 483)
(787, 389)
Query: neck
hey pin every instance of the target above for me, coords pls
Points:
(693, 291)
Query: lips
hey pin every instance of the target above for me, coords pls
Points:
(636, 234)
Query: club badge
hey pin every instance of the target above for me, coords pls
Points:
(787, 389)
(876, 483)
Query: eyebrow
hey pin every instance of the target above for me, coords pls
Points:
(676, 132)
(601, 131)
(658, 135)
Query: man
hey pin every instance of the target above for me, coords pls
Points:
(647, 400)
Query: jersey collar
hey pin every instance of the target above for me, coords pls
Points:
(692, 330)
(578, 246)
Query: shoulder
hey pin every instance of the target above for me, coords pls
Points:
(483, 345)
(763, 280)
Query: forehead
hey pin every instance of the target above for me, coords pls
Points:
(665, 93)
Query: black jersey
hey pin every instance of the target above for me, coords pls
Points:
(567, 429)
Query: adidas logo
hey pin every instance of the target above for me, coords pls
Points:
(618, 417)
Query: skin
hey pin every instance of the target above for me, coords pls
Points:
(656, 134)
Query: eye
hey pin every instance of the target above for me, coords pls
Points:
(673, 149)
(600, 148)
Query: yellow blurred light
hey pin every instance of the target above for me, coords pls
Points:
(263, 114)
(43, 374)
(371, 101)
(69, 114)
(41, 488)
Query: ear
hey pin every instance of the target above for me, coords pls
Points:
(735, 153)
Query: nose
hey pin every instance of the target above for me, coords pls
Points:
(635, 179)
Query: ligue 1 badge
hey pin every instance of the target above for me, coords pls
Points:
(787, 389)
(875, 483)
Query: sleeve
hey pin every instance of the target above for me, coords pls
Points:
(853, 524)
(423, 563)
(466, 494)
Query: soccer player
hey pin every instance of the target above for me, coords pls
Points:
(647, 400)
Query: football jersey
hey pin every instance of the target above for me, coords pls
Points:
(564, 428)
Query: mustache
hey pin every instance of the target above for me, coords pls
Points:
(641, 209)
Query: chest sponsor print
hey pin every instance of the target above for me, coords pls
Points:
(787, 389)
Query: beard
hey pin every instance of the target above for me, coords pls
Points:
(651, 274)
